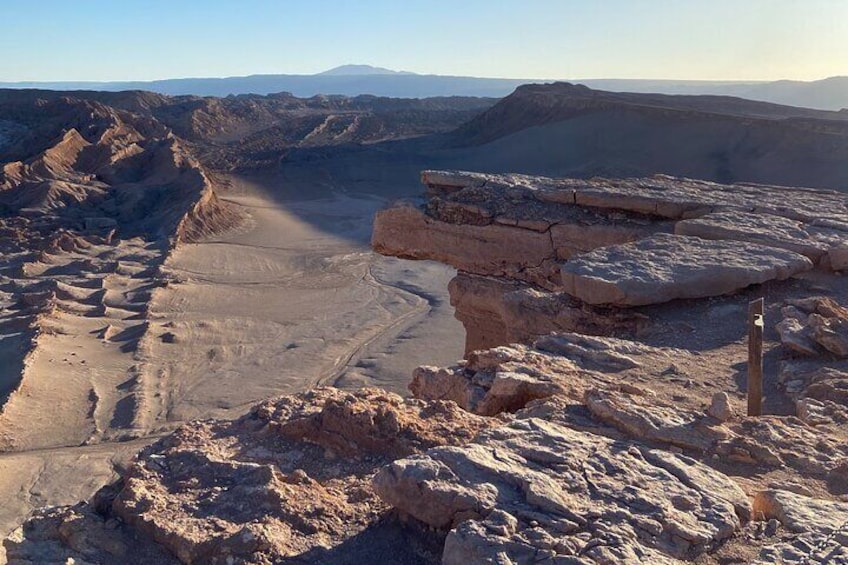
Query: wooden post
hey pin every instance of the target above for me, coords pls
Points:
(755, 357)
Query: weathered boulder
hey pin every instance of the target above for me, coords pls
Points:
(820, 392)
(720, 407)
(648, 421)
(532, 490)
(831, 333)
(502, 379)
(838, 257)
(766, 442)
(795, 334)
(664, 267)
(817, 328)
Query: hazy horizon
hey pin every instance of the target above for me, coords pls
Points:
(407, 72)
(723, 40)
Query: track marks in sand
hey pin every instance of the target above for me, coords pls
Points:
(271, 310)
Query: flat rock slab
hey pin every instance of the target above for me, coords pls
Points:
(765, 229)
(533, 490)
(665, 267)
(660, 195)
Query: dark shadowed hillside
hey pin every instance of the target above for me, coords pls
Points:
(572, 130)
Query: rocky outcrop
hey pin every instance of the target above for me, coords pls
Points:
(764, 229)
(593, 466)
(534, 490)
(496, 311)
(538, 254)
(506, 378)
(814, 331)
(290, 480)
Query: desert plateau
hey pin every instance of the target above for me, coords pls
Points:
(370, 316)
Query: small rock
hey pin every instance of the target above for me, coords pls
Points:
(771, 527)
(720, 407)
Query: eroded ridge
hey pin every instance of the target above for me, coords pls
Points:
(92, 199)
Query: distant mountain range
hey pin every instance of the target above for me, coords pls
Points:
(353, 80)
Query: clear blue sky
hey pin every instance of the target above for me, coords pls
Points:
(678, 39)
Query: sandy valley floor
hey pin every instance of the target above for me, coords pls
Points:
(291, 299)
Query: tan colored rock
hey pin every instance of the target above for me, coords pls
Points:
(494, 250)
(606, 354)
(369, 421)
(762, 229)
(478, 304)
(720, 407)
(647, 421)
(539, 489)
(572, 239)
(506, 378)
(291, 479)
(830, 333)
(767, 442)
(498, 312)
(838, 257)
(664, 268)
(502, 379)
(822, 525)
(77, 534)
(796, 336)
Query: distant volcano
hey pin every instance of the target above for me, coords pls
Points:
(361, 70)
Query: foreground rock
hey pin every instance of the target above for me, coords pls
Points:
(534, 490)
(291, 480)
(592, 466)
(820, 529)
(663, 268)
(506, 378)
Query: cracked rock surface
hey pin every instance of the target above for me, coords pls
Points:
(534, 490)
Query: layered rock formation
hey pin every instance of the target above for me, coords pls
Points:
(536, 254)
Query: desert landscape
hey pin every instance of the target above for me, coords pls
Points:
(393, 317)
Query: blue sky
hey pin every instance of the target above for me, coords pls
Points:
(676, 39)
